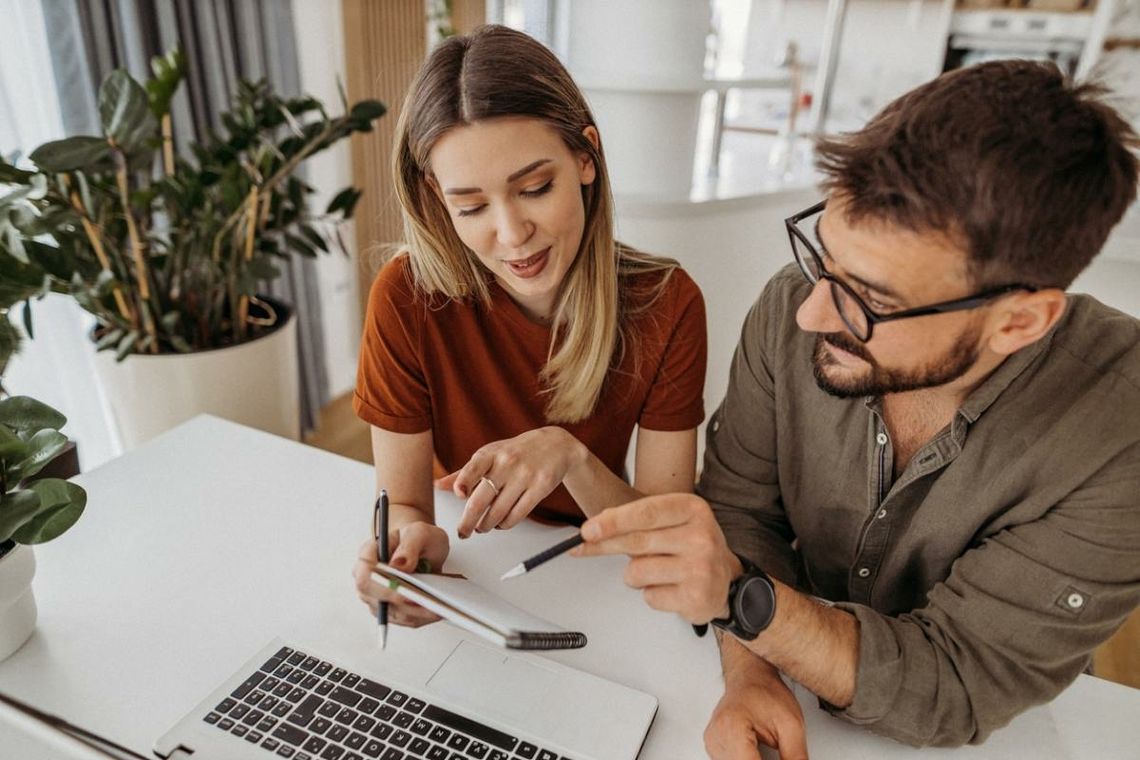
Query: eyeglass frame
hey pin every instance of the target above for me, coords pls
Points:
(873, 318)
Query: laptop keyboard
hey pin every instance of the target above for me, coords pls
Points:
(297, 706)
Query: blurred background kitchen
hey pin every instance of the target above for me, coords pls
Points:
(707, 109)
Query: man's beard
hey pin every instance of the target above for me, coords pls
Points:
(879, 381)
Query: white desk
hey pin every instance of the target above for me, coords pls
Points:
(199, 547)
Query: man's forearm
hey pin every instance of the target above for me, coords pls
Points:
(816, 645)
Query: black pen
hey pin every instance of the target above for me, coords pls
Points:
(529, 564)
(380, 525)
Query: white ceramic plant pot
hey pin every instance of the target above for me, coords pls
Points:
(255, 384)
(17, 604)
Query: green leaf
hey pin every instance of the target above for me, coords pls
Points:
(61, 504)
(126, 344)
(124, 110)
(25, 414)
(168, 71)
(28, 319)
(12, 446)
(70, 153)
(263, 268)
(10, 340)
(108, 339)
(17, 508)
(300, 245)
(43, 447)
(314, 237)
(12, 174)
(368, 110)
(344, 201)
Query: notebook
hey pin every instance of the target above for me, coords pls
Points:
(470, 606)
(478, 703)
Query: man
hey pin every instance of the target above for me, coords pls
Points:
(922, 429)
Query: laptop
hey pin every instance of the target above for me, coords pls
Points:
(480, 703)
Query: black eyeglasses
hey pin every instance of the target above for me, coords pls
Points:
(859, 317)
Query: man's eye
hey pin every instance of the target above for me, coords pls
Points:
(471, 211)
(878, 305)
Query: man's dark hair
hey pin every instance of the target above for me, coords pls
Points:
(1025, 170)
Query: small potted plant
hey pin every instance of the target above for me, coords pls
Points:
(32, 510)
(167, 251)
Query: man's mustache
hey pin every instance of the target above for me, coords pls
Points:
(845, 343)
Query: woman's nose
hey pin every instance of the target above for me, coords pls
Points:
(514, 229)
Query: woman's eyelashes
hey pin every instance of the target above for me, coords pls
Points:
(535, 193)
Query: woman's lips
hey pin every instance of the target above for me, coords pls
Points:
(530, 267)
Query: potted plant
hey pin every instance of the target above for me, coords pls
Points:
(167, 251)
(32, 510)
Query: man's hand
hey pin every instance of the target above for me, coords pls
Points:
(757, 706)
(678, 555)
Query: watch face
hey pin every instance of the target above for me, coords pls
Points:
(756, 602)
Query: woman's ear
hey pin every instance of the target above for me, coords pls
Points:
(587, 172)
(1027, 318)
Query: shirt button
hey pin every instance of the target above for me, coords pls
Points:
(864, 572)
(882, 514)
(716, 425)
(1075, 601)
(881, 439)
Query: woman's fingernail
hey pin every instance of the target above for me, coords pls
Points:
(462, 490)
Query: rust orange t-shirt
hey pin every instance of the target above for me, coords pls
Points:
(470, 372)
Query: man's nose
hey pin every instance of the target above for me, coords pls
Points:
(817, 313)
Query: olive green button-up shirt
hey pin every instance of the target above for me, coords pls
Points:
(984, 574)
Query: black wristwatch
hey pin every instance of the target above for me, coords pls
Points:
(751, 603)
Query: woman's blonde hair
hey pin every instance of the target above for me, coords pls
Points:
(494, 72)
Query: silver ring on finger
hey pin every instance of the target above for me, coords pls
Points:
(491, 483)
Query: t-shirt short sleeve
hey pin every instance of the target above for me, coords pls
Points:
(391, 389)
(676, 397)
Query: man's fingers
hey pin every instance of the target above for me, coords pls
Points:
(637, 543)
(655, 570)
(793, 740)
(650, 513)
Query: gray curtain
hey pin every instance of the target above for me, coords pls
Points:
(225, 41)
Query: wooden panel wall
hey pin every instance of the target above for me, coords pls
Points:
(385, 42)
(468, 14)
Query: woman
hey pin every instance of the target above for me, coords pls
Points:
(513, 343)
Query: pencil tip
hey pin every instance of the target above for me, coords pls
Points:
(383, 636)
(516, 570)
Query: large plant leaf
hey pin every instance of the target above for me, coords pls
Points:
(43, 447)
(13, 174)
(124, 110)
(12, 446)
(368, 110)
(61, 504)
(344, 201)
(25, 414)
(70, 153)
(16, 509)
(10, 340)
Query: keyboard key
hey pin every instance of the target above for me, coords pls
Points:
(283, 671)
(253, 737)
(337, 733)
(282, 690)
(392, 754)
(338, 674)
(397, 698)
(368, 705)
(385, 712)
(270, 744)
(322, 669)
(253, 718)
(296, 694)
(283, 652)
(329, 709)
(269, 703)
(415, 705)
(296, 676)
(355, 740)
(310, 663)
(364, 723)
(254, 697)
(212, 718)
(282, 709)
(269, 684)
(267, 724)
(547, 755)
(351, 680)
(419, 747)
(305, 711)
(324, 688)
(353, 756)
(290, 734)
(497, 754)
(239, 712)
(400, 738)
(372, 748)
(285, 750)
(296, 658)
(271, 664)
(382, 731)
(345, 696)
(439, 734)
(310, 681)
(239, 730)
(403, 719)
(373, 689)
(437, 753)
(459, 742)
(470, 727)
(248, 685)
(224, 706)
(477, 750)
(420, 727)
(314, 744)
(332, 752)
(321, 725)
(347, 716)
(225, 724)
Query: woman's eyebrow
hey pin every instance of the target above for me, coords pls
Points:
(516, 175)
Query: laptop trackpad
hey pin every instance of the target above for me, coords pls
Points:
(580, 712)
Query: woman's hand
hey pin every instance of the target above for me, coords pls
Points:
(505, 480)
(408, 546)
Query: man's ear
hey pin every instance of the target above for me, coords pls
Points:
(1025, 318)
(587, 172)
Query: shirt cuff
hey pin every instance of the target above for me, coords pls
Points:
(880, 669)
(389, 422)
